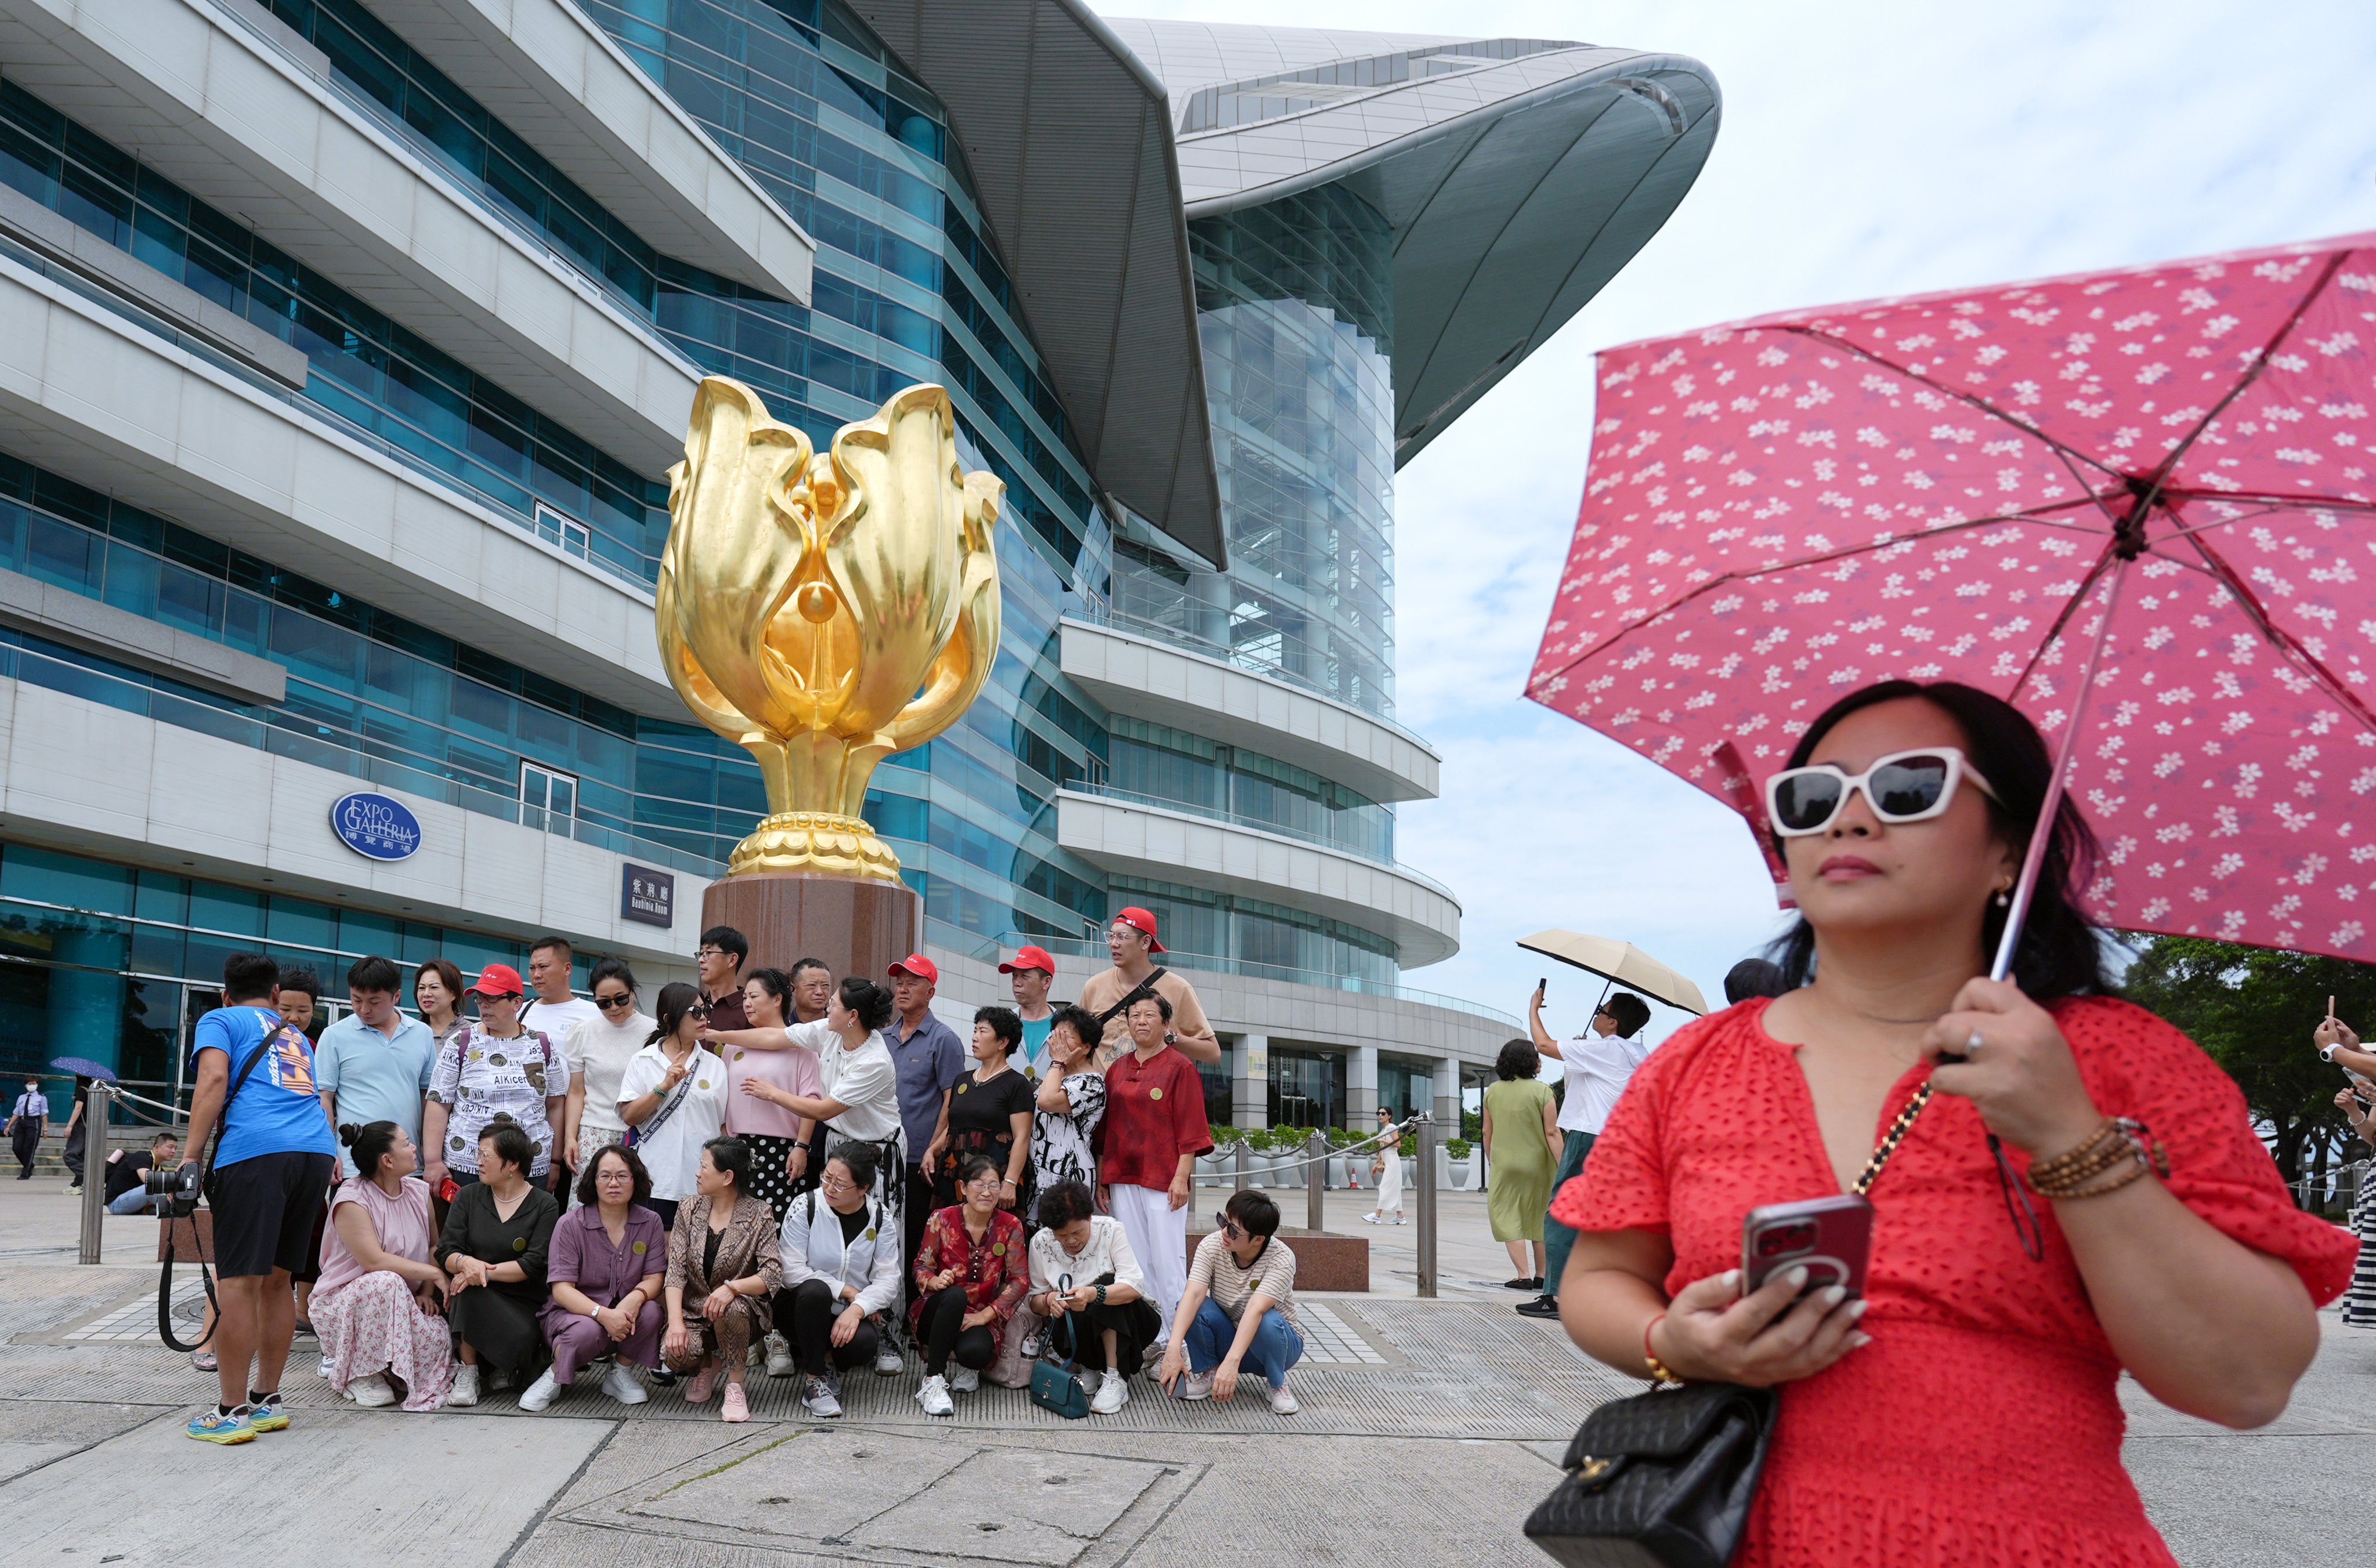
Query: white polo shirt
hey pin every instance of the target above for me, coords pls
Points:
(1598, 1066)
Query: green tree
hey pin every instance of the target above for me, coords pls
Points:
(2254, 1008)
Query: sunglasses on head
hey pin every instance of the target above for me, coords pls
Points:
(1902, 787)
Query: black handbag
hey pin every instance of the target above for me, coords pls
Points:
(1665, 1480)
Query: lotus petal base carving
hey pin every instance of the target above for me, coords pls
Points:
(817, 841)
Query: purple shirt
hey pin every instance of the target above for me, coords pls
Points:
(582, 1255)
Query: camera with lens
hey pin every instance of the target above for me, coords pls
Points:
(173, 1190)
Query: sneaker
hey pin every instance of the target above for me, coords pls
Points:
(1370, 1219)
(621, 1383)
(305, 1328)
(1541, 1306)
(268, 1414)
(465, 1387)
(964, 1379)
(934, 1397)
(1194, 1386)
(211, 1426)
(76, 1192)
(1112, 1395)
(371, 1391)
(1282, 1403)
(498, 1380)
(888, 1361)
(820, 1401)
(779, 1357)
(663, 1377)
(326, 1369)
(541, 1393)
(755, 1354)
(738, 1404)
(697, 1391)
(832, 1380)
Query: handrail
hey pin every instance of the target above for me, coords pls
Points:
(1103, 614)
(1235, 819)
(1150, 802)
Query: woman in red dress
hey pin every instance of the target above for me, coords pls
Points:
(1964, 1410)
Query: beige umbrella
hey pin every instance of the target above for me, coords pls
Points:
(1619, 961)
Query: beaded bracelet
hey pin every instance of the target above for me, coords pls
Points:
(2116, 1154)
(1658, 1372)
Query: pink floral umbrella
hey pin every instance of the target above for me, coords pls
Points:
(2141, 505)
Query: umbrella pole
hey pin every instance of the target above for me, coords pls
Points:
(2034, 858)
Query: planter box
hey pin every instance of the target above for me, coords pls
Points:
(1323, 1260)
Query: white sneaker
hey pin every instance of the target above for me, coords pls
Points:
(541, 1393)
(1372, 1219)
(1195, 1385)
(963, 1379)
(621, 1383)
(1282, 1402)
(1112, 1395)
(756, 1354)
(465, 1387)
(820, 1401)
(498, 1380)
(888, 1361)
(934, 1397)
(371, 1391)
(326, 1368)
(779, 1357)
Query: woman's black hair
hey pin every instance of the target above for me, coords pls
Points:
(2058, 954)
(871, 1002)
(1754, 978)
(610, 969)
(777, 984)
(1630, 1011)
(512, 1146)
(676, 999)
(732, 1158)
(1065, 1202)
(972, 1165)
(370, 1142)
(860, 1160)
(589, 1193)
(1086, 1027)
(1006, 1023)
(1518, 1059)
(1162, 1004)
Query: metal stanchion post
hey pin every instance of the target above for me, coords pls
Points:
(1315, 1180)
(1427, 1146)
(1245, 1160)
(94, 1169)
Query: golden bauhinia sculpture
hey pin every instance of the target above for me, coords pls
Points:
(826, 610)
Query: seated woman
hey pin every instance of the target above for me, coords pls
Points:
(498, 1234)
(842, 1276)
(1083, 1270)
(970, 1276)
(722, 1257)
(1237, 1312)
(609, 1256)
(379, 1306)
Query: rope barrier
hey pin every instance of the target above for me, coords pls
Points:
(1274, 1168)
(175, 1111)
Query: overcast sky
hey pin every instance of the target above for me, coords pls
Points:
(1867, 149)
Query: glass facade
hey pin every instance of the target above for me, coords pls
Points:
(1307, 1088)
(1250, 932)
(1405, 1088)
(1174, 767)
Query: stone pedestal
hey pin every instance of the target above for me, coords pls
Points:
(855, 925)
(1323, 1260)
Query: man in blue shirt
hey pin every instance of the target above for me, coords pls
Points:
(255, 1075)
(29, 1123)
(374, 1063)
(930, 1060)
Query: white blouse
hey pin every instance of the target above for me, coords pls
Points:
(1106, 1252)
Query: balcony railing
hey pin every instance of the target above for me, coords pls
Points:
(1256, 825)
(1280, 655)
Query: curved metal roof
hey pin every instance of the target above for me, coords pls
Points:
(1069, 140)
(1519, 174)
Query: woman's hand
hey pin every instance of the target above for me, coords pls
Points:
(796, 1164)
(1179, 1194)
(2332, 1032)
(1712, 1333)
(615, 1323)
(677, 1343)
(714, 1306)
(845, 1327)
(942, 1280)
(2347, 1102)
(467, 1271)
(977, 1318)
(767, 1092)
(434, 1173)
(675, 1076)
(1175, 1364)
(1225, 1379)
(2021, 1075)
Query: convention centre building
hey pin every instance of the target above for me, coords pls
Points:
(345, 345)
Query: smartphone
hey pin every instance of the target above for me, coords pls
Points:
(1543, 986)
(1832, 1237)
(448, 1190)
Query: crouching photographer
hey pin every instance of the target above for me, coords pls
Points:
(255, 1077)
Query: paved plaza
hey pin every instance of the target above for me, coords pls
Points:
(1428, 1430)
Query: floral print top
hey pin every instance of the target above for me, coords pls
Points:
(994, 1272)
(486, 1079)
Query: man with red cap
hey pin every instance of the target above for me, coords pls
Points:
(1030, 972)
(930, 1060)
(1132, 943)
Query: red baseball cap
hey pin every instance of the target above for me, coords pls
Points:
(1139, 921)
(916, 964)
(498, 980)
(1030, 958)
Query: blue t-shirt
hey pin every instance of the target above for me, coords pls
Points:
(278, 1110)
(1034, 1054)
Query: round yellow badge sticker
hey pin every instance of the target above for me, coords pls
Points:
(520, 1243)
(704, 1083)
(1155, 1093)
(962, 1088)
(638, 1248)
(998, 1249)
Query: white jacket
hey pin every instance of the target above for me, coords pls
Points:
(813, 1250)
(1106, 1252)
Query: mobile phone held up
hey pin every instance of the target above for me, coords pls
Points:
(1831, 1237)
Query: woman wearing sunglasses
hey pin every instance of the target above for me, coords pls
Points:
(602, 1047)
(1971, 1414)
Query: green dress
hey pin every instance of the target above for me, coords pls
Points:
(1518, 1160)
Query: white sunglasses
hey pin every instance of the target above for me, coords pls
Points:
(1902, 787)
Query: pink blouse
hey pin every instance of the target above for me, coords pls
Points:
(794, 1071)
(401, 1223)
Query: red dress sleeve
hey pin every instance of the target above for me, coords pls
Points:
(1191, 1133)
(2136, 1064)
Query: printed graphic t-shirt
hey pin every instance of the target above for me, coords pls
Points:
(279, 1109)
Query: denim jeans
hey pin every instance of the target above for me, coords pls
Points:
(1558, 1238)
(1275, 1348)
(131, 1201)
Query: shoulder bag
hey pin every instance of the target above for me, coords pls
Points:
(1144, 989)
(1667, 1478)
(638, 1137)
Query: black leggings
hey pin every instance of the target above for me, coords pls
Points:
(944, 1310)
(805, 1313)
